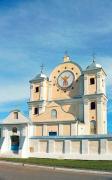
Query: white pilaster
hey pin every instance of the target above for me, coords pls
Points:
(99, 116)
(50, 91)
(105, 117)
(41, 91)
(60, 131)
(31, 92)
(45, 130)
(103, 146)
(51, 146)
(73, 129)
(45, 90)
(86, 116)
(85, 84)
(84, 146)
(99, 83)
(67, 146)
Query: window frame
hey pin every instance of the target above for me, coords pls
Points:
(36, 111)
(92, 81)
(55, 115)
(16, 115)
(37, 91)
(93, 107)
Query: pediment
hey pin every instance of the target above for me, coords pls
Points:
(20, 120)
(52, 104)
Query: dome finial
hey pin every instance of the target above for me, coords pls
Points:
(66, 57)
(42, 67)
(93, 57)
(66, 53)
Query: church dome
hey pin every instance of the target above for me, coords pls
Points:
(93, 66)
(39, 77)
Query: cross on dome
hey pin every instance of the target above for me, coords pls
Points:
(42, 67)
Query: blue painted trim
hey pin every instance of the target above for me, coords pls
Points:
(80, 137)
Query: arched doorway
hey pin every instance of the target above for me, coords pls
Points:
(14, 141)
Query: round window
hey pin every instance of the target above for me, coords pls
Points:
(14, 130)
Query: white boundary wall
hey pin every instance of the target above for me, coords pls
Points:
(89, 148)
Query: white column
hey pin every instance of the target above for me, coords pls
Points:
(85, 84)
(98, 83)
(44, 130)
(99, 116)
(30, 112)
(45, 90)
(50, 91)
(86, 116)
(41, 91)
(73, 129)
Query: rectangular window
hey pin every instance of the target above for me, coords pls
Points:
(15, 115)
(36, 111)
(52, 133)
(37, 89)
(92, 81)
(93, 105)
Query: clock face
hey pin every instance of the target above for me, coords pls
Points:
(65, 79)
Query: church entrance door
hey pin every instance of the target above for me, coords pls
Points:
(15, 143)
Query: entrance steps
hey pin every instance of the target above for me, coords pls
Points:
(10, 155)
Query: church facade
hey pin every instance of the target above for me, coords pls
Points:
(67, 116)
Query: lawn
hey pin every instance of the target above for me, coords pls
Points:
(78, 164)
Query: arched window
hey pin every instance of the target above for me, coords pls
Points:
(53, 114)
(14, 129)
(93, 127)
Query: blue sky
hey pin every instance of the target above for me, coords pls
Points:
(33, 32)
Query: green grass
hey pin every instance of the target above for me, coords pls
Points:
(79, 164)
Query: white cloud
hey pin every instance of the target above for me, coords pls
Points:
(13, 92)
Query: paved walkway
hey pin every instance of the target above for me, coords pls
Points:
(15, 172)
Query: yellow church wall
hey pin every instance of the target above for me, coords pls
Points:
(92, 115)
(52, 128)
(35, 95)
(66, 130)
(38, 130)
(91, 87)
(57, 93)
(65, 112)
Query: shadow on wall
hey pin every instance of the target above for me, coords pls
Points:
(75, 90)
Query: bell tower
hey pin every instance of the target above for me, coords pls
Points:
(38, 94)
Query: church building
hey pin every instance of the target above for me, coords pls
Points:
(67, 116)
